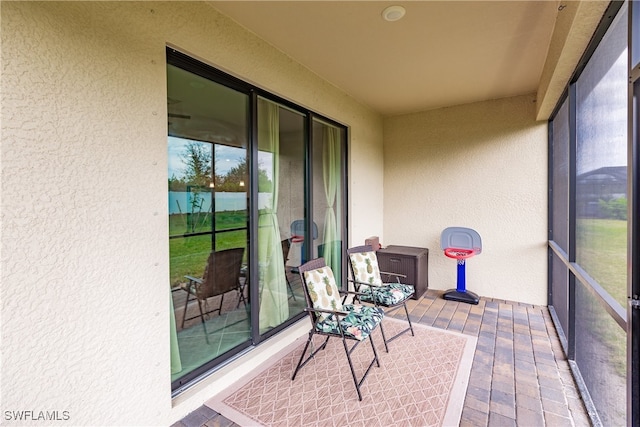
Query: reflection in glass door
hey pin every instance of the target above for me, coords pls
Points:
(328, 184)
(256, 188)
(208, 216)
(281, 197)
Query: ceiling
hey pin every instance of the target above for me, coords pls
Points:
(441, 53)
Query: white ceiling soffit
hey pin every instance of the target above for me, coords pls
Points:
(441, 53)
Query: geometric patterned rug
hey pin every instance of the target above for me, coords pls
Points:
(422, 381)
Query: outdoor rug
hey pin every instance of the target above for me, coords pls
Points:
(422, 381)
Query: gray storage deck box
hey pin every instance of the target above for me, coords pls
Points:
(410, 261)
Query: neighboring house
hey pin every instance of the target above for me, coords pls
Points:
(599, 190)
(84, 234)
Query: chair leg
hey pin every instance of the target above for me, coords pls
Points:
(406, 311)
(219, 310)
(184, 315)
(204, 326)
(353, 372)
(186, 303)
(375, 352)
(313, 353)
(384, 338)
(289, 285)
(300, 364)
(302, 361)
(410, 328)
(241, 297)
(184, 312)
(324, 344)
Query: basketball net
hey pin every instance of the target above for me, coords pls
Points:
(459, 254)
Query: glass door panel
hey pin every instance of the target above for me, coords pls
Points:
(281, 139)
(208, 217)
(328, 195)
(245, 210)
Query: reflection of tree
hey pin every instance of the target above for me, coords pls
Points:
(232, 179)
(197, 164)
(196, 159)
(240, 174)
(197, 172)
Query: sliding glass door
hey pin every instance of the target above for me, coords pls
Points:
(208, 219)
(256, 187)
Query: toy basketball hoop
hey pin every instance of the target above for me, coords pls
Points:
(458, 253)
(460, 243)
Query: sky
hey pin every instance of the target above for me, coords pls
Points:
(227, 157)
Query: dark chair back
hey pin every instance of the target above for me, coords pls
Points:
(222, 273)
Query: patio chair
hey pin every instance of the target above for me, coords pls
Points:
(221, 275)
(331, 317)
(367, 279)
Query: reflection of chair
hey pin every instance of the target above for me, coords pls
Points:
(331, 317)
(367, 279)
(285, 256)
(221, 275)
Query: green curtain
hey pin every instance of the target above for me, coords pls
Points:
(331, 177)
(274, 301)
(176, 363)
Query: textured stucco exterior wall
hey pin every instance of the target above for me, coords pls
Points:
(482, 166)
(85, 301)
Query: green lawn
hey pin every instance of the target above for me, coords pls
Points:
(602, 252)
(199, 222)
(188, 255)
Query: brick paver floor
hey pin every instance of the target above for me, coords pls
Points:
(519, 377)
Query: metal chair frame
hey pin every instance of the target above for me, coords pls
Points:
(393, 307)
(339, 315)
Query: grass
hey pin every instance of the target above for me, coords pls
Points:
(188, 254)
(602, 252)
(179, 224)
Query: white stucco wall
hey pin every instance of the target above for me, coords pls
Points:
(85, 301)
(482, 166)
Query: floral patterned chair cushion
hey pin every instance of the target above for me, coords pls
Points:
(358, 324)
(390, 294)
(323, 291)
(366, 270)
(358, 321)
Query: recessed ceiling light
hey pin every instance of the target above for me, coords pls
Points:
(393, 13)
